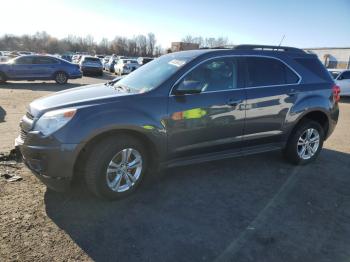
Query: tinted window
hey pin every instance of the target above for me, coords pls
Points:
(91, 59)
(315, 66)
(44, 60)
(214, 75)
(345, 75)
(268, 71)
(24, 60)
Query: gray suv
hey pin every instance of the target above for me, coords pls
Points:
(182, 108)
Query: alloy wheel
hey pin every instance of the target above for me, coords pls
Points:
(61, 77)
(124, 170)
(308, 143)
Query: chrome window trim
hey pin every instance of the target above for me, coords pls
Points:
(226, 56)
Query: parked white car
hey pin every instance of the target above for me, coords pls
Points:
(342, 79)
(3, 57)
(125, 66)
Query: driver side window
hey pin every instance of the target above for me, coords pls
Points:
(214, 75)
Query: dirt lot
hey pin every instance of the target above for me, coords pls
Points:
(256, 208)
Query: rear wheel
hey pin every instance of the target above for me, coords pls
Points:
(3, 78)
(61, 78)
(115, 167)
(305, 143)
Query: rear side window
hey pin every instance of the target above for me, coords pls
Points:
(44, 61)
(261, 71)
(315, 66)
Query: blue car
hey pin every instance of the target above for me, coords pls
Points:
(39, 67)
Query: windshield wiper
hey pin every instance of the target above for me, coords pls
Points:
(122, 87)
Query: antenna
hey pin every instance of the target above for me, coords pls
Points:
(282, 40)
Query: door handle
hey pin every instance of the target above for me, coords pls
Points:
(292, 92)
(233, 102)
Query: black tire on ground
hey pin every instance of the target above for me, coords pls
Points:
(61, 78)
(3, 78)
(291, 150)
(99, 158)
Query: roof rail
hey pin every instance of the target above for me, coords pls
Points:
(269, 48)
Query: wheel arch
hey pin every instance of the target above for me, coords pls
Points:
(143, 138)
(317, 115)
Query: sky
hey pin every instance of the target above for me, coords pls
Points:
(308, 23)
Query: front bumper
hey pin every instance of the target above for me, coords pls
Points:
(53, 165)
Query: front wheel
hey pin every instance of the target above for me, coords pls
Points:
(115, 167)
(305, 143)
(61, 78)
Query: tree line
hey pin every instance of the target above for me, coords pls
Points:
(209, 42)
(42, 42)
(140, 45)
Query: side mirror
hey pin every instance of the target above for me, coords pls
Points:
(189, 87)
(340, 77)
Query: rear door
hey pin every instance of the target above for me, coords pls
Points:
(212, 120)
(44, 67)
(271, 88)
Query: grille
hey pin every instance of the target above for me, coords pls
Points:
(23, 134)
(29, 116)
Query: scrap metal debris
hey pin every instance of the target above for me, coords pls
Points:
(14, 155)
(11, 177)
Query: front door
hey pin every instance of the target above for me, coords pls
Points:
(22, 68)
(212, 119)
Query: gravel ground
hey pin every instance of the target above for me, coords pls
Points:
(255, 208)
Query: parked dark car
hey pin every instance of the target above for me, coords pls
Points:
(67, 58)
(37, 67)
(91, 65)
(182, 108)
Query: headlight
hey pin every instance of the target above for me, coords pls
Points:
(51, 121)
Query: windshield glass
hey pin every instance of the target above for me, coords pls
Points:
(154, 73)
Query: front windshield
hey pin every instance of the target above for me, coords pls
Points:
(335, 74)
(154, 73)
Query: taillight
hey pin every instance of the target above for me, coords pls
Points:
(336, 93)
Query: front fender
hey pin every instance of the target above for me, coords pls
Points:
(96, 120)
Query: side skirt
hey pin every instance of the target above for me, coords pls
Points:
(183, 161)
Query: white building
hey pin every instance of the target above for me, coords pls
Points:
(332, 57)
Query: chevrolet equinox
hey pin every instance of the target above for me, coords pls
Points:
(182, 108)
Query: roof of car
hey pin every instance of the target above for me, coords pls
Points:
(248, 50)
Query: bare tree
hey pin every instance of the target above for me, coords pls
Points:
(206, 42)
(42, 42)
(151, 42)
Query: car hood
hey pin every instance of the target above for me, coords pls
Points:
(75, 97)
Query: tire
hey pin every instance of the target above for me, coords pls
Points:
(3, 78)
(298, 141)
(61, 78)
(100, 182)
